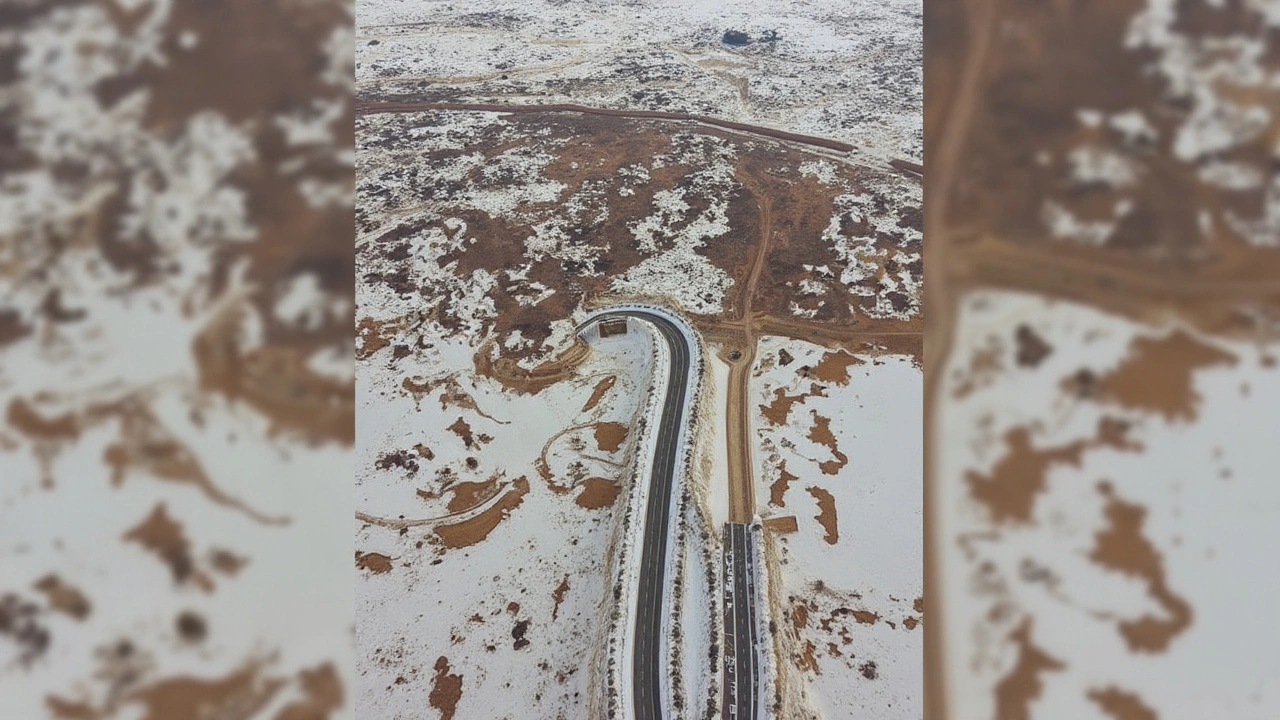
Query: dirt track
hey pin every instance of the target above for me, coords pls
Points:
(742, 502)
(374, 107)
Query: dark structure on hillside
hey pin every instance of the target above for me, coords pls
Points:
(613, 326)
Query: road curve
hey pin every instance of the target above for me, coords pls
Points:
(648, 661)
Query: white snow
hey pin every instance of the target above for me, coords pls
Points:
(716, 428)
(1203, 484)
(415, 609)
(876, 565)
(683, 276)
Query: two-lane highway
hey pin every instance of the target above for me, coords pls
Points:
(649, 661)
(741, 653)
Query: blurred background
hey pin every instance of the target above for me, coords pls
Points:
(1102, 216)
(176, 284)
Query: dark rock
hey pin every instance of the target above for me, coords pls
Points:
(1032, 349)
(518, 632)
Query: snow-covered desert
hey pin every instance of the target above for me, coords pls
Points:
(752, 168)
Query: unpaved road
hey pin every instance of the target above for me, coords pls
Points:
(742, 503)
(370, 107)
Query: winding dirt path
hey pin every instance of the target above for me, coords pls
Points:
(464, 514)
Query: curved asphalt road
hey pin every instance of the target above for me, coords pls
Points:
(649, 664)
